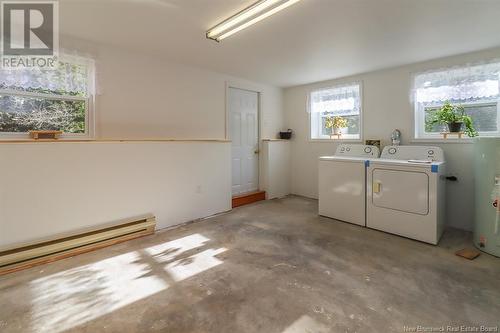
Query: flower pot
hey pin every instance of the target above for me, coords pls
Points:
(455, 127)
(337, 131)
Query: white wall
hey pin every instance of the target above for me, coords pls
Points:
(47, 189)
(386, 106)
(142, 96)
(52, 188)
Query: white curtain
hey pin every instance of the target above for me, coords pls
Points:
(458, 83)
(74, 74)
(336, 99)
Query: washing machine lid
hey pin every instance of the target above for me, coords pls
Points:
(343, 159)
(420, 154)
(422, 164)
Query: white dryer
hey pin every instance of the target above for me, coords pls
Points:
(406, 192)
(342, 183)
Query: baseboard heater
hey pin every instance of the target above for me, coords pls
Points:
(15, 258)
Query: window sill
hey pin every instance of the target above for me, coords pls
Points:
(10, 136)
(24, 139)
(455, 140)
(441, 140)
(347, 140)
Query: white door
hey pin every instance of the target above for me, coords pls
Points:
(244, 133)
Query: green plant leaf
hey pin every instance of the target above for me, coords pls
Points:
(449, 113)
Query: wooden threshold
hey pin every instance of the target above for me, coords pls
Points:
(248, 198)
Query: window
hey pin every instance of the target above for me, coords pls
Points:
(48, 99)
(340, 101)
(475, 87)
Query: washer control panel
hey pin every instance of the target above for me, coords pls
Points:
(410, 153)
(357, 151)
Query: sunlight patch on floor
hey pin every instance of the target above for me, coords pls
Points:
(185, 268)
(73, 297)
(169, 250)
(306, 324)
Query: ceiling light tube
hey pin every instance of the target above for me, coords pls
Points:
(248, 17)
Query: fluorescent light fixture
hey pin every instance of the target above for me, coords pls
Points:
(247, 17)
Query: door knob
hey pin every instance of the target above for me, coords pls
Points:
(376, 187)
(256, 151)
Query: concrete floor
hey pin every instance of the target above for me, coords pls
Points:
(274, 266)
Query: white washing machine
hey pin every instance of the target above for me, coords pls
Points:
(406, 192)
(342, 183)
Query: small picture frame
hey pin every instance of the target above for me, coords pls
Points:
(373, 143)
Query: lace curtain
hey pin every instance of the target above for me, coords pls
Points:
(458, 84)
(74, 75)
(336, 99)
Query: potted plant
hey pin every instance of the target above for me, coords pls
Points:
(455, 118)
(336, 124)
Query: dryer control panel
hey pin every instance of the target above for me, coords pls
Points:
(357, 151)
(413, 153)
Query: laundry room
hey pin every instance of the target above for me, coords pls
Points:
(387, 104)
(275, 166)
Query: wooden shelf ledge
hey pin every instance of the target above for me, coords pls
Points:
(112, 140)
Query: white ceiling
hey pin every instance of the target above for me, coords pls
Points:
(310, 41)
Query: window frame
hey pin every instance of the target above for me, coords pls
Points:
(326, 138)
(418, 119)
(89, 133)
(421, 115)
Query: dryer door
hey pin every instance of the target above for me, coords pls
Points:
(406, 191)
